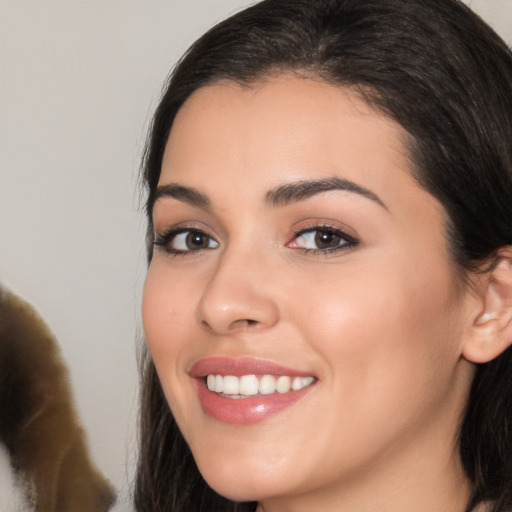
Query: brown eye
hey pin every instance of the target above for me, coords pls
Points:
(195, 240)
(191, 240)
(322, 240)
(186, 241)
(327, 239)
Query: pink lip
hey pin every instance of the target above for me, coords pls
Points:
(239, 367)
(243, 411)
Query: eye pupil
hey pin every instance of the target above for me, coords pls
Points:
(326, 239)
(196, 240)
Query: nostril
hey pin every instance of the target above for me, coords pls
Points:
(246, 322)
(206, 325)
(233, 326)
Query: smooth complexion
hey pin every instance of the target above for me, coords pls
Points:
(257, 261)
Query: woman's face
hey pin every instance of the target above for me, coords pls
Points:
(295, 251)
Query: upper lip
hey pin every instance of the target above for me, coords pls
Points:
(241, 366)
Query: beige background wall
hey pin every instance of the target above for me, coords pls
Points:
(78, 81)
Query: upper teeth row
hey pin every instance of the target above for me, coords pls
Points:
(252, 385)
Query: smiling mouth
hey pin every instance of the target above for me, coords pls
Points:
(246, 391)
(245, 386)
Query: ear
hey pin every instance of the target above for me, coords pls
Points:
(491, 332)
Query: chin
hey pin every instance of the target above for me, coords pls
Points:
(240, 490)
(244, 483)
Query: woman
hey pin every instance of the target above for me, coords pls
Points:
(328, 305)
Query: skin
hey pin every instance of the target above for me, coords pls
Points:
(381, 325)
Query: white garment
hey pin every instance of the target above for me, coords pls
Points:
(11, 496)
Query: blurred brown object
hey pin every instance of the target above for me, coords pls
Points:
(38, 422)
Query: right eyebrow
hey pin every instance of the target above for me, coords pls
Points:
(187, 195)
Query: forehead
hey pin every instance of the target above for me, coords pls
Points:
(227, 136)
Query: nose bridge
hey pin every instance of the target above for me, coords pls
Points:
(237, 294)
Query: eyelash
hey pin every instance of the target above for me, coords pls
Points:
(347, 241)
(165, 239)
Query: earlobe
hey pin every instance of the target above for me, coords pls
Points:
(491, 332)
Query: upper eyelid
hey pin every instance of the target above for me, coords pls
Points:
(326, 225)
(179, 227)
(343, 234)
(334, 229)
(170, 233)
(178, 230)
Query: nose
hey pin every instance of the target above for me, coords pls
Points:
(238, 296)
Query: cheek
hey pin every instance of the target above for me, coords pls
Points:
(156, 310)
(387, 337)
(164, 307)
(168, 320)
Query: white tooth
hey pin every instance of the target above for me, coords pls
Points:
(231, 385)
(219, 381)
(306, 381)
(267, 385)
(248, 385)
(297, 383)
(283, 384)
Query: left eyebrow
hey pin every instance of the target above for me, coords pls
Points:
(300, 190)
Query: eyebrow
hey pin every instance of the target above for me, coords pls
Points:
(300, 190)
(185, 194)
(277, 197)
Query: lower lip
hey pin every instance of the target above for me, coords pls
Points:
(246, 411)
